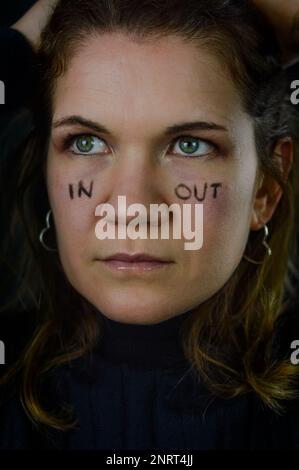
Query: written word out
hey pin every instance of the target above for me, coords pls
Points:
(184, 192)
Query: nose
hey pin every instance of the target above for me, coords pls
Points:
(138, 176)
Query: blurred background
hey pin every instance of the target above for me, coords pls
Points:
(11, 10)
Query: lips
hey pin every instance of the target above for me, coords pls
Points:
(135, 263)
(136, 258)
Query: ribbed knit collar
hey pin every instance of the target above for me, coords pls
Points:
(150, 345)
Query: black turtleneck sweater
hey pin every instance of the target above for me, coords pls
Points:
(137, 391)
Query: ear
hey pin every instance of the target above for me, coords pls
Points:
(268, 191)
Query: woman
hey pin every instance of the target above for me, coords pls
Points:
(163, 102)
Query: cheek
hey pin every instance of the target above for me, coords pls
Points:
(73, 203)
(225, 230)
(229, 212)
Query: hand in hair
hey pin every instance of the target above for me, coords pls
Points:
(284, 17)
(34, 20)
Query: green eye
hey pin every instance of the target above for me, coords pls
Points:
(85, 143)
(88, 145)
(193, 146)
(189, 145)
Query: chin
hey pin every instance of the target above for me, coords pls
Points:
(132, 309)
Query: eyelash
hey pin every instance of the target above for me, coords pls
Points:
(71, 138)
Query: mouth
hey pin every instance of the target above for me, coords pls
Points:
(139, 262)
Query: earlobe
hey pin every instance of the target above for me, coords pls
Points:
(269, 192)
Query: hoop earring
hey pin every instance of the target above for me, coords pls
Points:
(265, 244)
(43, 232)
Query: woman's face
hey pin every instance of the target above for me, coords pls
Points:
(123, 125)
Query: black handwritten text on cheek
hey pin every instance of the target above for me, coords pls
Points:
(81, 190)
(183, 191)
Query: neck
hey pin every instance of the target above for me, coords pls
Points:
(150, 345)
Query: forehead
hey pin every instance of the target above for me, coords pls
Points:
(153, 81)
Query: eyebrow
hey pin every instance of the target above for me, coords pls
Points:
(170, 130)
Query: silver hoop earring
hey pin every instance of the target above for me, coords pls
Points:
(265, 244)
(44, 231)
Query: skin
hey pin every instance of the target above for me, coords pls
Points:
(113, 81)
(32, 23)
